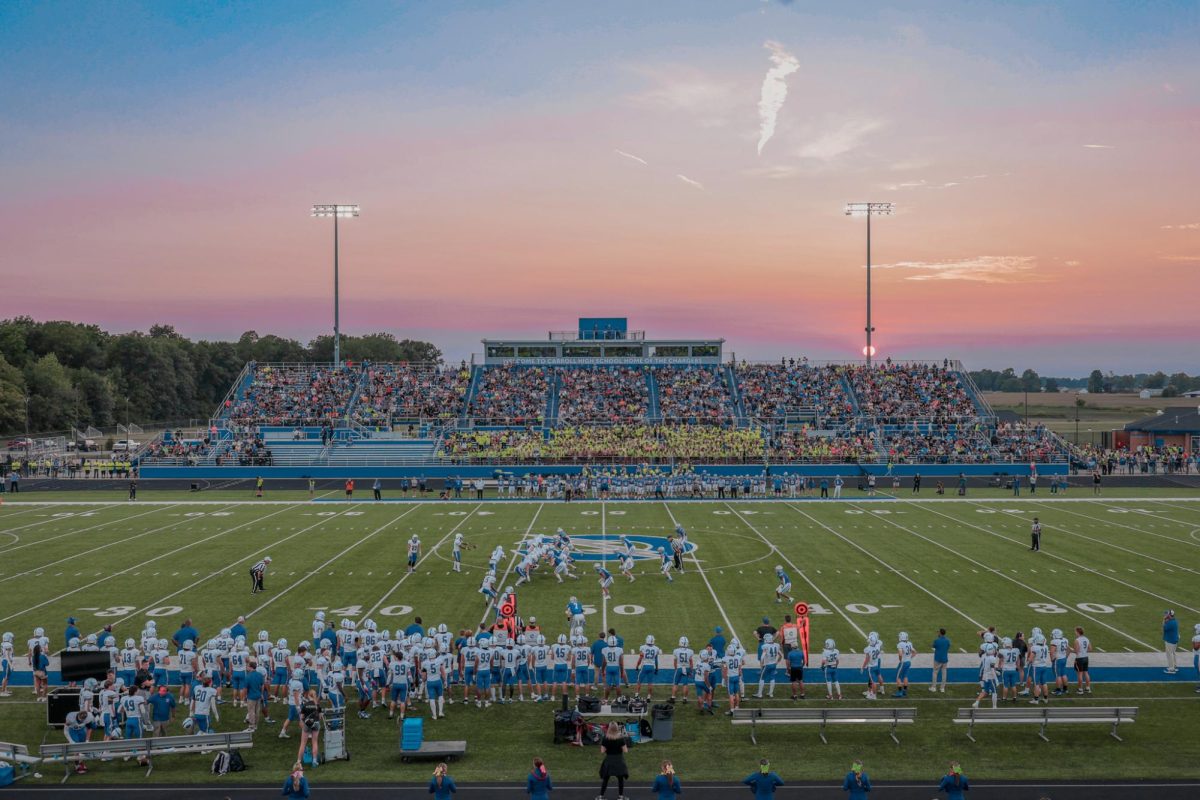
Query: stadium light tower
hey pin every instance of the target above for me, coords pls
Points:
(869, 210)
(337, 211)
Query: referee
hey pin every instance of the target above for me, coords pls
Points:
(256, 575)
(1035, 535)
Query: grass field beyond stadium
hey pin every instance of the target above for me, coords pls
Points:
(1110, 566)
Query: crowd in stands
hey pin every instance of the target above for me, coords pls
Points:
(803, 445)
(295, 395)
(935, 444)
(411, 391)
(602, 394)
(609, 442)
(1018, 442)
(514, 394)
(694, 396)
(895, 392)
(771, 391)
(1141, 460)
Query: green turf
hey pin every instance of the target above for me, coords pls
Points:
(872, 566)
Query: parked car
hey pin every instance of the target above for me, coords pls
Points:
(84, 445)
(125, 446)
(20, 444)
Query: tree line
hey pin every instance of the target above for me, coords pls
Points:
(68, 374)
(1097, 382)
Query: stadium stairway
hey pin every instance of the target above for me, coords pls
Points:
(476, 376)
(358, 388)
(552, 387)
(735, 393)
(653, 412)
(849, 390)
(981, 405)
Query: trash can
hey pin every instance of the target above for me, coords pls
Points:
(662, 722)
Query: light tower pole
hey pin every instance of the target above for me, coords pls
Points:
(337, 211)
(869, 210)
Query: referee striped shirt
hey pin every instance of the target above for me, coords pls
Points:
(259, 567)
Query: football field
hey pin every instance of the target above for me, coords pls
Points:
(1109, 565)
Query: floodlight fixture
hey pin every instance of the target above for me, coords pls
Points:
(869, 210)
(336, 211)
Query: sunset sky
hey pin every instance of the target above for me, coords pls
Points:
(685, 164)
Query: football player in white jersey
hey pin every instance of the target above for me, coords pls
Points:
(987, 678)
(414, 552)
(769, 659)
(456, 550)
(684, 657)
(829, 670)
(1039, 653)
(731, 671)
(318, 625)
(904, 654)
(1009, 658)
(627, 565)
(1082, 651)
(1196, 653)
(870, 665)
(1060, 649)
(664, 563)
(187, 669)
(647, 667)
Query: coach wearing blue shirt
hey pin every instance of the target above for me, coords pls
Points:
(718, 642)
(239, 629)
(73, 633)
(186, 631)
(941, 660)
(1170, 640)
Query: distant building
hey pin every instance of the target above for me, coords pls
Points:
(1176, 426)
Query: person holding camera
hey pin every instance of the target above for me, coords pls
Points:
(954, 782)
(857, 782)
(538, 785)
(666, 785)
(441, 785)
(296, 785)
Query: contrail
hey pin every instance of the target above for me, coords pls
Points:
(774, 91)
(690, 182)
(630, 156)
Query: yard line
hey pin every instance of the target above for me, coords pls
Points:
(221, 571)
(1083, 567)
(404, 577)
(34, 524)
(894, 571)
(1114, 523)
(82, 530)
(311, 572)
(700, 569)
(1014, 580)
(1119, 547)
(604, 549)
(99, 548)
(144, 563)
(799, 571)
(10, 514)
(511, 563)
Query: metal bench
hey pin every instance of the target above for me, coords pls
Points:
(70, 752)
(1046, 715)
(18, 755)
(435, 750)
(893, 717)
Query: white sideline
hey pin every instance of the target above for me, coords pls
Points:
(1026, 586)
(404, 577)
(711, 590)
(979, 625)
(882, 498)
(798, 571)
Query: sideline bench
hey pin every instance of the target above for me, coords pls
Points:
(893, 717)
(148, 748)
(1047, 715)
(447, 750)
(18, 755)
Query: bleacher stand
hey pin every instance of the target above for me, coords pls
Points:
(776, 391)
(298, 394)
(693, 396)
(410, 392)
(511, 395)
(894, 392)
(602, 394)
